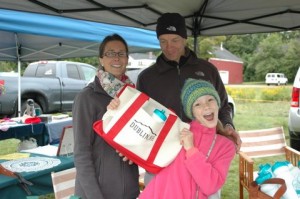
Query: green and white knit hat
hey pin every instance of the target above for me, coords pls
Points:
(192, 90)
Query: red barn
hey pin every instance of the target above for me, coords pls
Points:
(230, 66)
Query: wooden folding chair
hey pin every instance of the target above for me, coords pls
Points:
(64, 183)
(261, 143)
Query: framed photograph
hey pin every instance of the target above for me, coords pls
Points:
(66, 144)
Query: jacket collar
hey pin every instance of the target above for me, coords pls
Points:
(96, 86)
(198, 127)
(164, 65)
(203, 136)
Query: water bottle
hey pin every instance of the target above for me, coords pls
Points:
(159, 115)
(281, 170)
(264, 174)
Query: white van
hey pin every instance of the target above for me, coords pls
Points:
(276, 78)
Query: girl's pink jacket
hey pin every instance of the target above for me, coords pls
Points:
(191, 171)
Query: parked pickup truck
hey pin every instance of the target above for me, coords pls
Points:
(51, 84)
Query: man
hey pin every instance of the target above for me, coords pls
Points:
(163, 81)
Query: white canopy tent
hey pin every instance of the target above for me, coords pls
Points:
(203, 17)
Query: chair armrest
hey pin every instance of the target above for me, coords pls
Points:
(292, 155)
(245, 170)
(245, 157)
(292, 150)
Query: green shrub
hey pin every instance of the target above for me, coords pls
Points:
(241, 93)
(276, 94)
(260, 93)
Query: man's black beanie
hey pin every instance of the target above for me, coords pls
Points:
(171, 23)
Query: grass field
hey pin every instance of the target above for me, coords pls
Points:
(249, 115)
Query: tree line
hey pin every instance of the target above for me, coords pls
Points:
(261, 53)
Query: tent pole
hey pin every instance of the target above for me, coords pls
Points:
(195, 33)
(18, 51)
(195, 44)
(197, 23)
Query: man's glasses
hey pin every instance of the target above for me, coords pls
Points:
(115, 54)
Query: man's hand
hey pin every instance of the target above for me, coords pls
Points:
(124, 158)
(234, 136)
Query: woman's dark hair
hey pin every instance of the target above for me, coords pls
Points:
(114, 37)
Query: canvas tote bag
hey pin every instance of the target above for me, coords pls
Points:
(256, 193)
(134, 130)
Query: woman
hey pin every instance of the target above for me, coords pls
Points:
(101, 172)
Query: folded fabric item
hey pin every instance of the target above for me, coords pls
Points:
(14, 156)
(32, 120)
(48, 150)
(6, 123)
(31, 164)
(4, 127)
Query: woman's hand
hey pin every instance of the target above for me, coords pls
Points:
(186, 139)
(114, 103)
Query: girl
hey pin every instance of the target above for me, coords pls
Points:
(201, 167)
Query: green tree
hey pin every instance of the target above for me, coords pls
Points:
(7, 66)
(268, 56)
(205, 45)
(94, 61)
(291, 61)
(241, 45)
(244, 46)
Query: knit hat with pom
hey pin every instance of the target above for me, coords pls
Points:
(192, 90)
